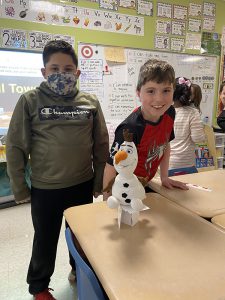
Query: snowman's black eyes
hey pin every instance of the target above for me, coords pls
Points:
(129, 151)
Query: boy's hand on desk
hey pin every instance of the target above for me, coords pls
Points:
(170, 183)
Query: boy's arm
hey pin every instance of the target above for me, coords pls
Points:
(164, 165)
(18, 149)
(109, 176)
(100, 149)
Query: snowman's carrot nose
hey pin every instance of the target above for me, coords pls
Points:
(120, 155)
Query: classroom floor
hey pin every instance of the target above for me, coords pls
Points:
(16, 235)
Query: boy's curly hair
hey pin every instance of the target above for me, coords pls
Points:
(155, 70)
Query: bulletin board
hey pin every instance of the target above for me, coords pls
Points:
(111, 74)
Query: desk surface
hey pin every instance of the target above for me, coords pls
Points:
(205, 204)
(169, 254)
(219, 220)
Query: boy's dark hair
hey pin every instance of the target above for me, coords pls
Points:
(182, 92)
(56, 46)
(155, 70)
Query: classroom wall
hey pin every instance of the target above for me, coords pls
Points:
(116, 39)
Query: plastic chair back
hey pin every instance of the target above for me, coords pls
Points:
(88, 286)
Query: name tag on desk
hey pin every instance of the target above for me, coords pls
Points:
(198, 187)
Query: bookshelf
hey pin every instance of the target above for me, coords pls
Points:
(215, 144)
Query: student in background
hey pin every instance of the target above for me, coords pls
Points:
(64, 133)
(188, 127)
(196, 96)
(151, 125)
(221, 117)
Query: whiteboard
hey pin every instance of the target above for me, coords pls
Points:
(115, 83)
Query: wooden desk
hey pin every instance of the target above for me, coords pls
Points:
(205, 204)
(219, 220)
(169, 254)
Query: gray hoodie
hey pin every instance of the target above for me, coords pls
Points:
(65, 137)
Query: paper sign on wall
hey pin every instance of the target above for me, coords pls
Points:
(115, 54)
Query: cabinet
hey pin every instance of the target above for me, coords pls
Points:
(220, 144)
(216, 144)
(211, 148)
(6, 194)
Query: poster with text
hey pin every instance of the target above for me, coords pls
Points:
(178, 27)
(164, 10)
(193, 41)
(180, 12)
(177, 44)
(209, 9)
(194, 25)
(195, 10)
(145, 7)
(128, 3)
(109, 4)
(163, 27)
(209, 24)
(162, 42)
(14, 38)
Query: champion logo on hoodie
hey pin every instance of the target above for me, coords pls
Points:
(56, 112)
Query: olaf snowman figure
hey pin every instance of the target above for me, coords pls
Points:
(127, 190)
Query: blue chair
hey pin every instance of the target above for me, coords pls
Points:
(88, 286)
(182, 171)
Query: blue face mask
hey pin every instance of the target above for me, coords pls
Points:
(62, 83)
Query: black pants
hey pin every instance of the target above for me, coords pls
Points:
(47, 208)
